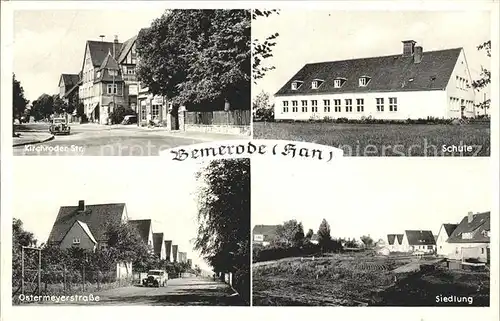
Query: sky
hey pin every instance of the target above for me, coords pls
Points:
(360, 196)
(48, 43)
(152, 188)
(322, 35)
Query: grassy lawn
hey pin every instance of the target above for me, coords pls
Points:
(360, 280)
(383, 139)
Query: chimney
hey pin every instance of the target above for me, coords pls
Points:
(470, 217)
(81, 205)
(115, 42)
(419, 51)
(408, 48)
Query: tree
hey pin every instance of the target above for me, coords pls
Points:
(59, 105)
(19, 102)
(119, 113)
(262, 50)
(324, 237)
(43, 107)
(291, 233)
(20, 238)
(261, 108)
(367, 241)
(197, 56)
(224, 219)
(485, 76)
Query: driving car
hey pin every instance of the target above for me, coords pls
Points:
(59, 126)
(155, 278)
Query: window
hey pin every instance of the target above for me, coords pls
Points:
(360, 105)
(98, 74)
(363, 81)
(314, 107)
(304, 106)
(296, 85)
(457, 81)
(337, 83)
(76, 241)
(143, 110)
(326, 103)
(314, 84)
(112, 72)
(130, 70)
(393, 104)
(429, 247)
(467, 236)
(380, 104)
(348, 105)
(295, 105)
(285, 106)
(337, 105)
(482, 250)
(112, 89)
(258, 237)
(155, 111)
(133, 56)
(103, 246)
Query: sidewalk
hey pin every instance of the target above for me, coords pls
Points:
(28, 138)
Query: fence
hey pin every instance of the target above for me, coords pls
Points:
(219, 118)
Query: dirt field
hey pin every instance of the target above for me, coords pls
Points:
(383, 139)
(360, 280)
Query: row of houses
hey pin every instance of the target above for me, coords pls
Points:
(85, 226)
(107, 79)
(410, 85)
(468, 239)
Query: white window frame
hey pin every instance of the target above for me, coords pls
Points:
(380, 104)
(393, 104)
(338, 105)
(314, 84)
(304, 106)
(314, 106)
(348, 105)
(76, 240)
(110, 89)
(326, 104)
(337, 83)
(285, 106)
(295, 106)
(130, 70)
(113, 72)
(360, 105)
(363, 81)
(155, 111)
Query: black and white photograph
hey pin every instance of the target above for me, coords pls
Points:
(104, 238)
(374, 83)
(359, 237)
(129, 82)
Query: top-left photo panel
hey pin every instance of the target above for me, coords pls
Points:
(129, 83)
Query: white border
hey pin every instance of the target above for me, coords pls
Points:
(208, 313)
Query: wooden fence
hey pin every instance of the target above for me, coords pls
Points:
(227, 118)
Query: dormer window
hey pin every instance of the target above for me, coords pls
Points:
(316, 83)
(113, 72)
(76, 241)
(338, 82)
(296, 84)
(363, 81)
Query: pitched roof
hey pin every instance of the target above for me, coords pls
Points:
(126, 48)
(143, 226)
(416, 237)
(157, 242)
(70, 79)
(449, 228)
(315, 237)
(109, 63)
(100, 49)
(479, 228)
(387, 74)
(168, 248)
(391, 238)
(175, 251)
(86, 229)
(269, 231)
(96, 217)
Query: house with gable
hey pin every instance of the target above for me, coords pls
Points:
(418, 241)
(182, 257)
(68, 85)
(264, 234)
(395, 243)
(175, 253)
(410, 85)
(108, 78)
(169, 256)
(84, 226)
(471, 239)
(443, 247)
(145, 229)
(159, 245)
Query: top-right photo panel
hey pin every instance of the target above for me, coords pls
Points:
(386, 83)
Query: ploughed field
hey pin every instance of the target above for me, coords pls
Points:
(361, 279)
(383, 139)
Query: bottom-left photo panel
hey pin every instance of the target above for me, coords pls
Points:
(142, 233)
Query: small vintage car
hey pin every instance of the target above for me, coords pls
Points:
(59, 126)
(155, 278)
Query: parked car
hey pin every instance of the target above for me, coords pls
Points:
(156, 278)
(59, 126)
(129, 119)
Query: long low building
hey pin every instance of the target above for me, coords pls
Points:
(411, 85)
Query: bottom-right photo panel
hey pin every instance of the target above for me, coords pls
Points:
(369, 232)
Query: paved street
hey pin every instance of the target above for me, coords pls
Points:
(185, 291)
(117, 140)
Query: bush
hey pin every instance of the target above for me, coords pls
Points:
(119, 113)
(279, 252)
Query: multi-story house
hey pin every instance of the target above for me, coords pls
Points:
(410, 85)
(471, 238)
(108, 78)
(84, 226)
